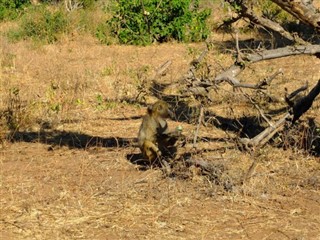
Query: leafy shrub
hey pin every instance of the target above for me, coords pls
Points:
(88, 3)
(103, 34)
(41, 24)
(9, 9)
(143, 22)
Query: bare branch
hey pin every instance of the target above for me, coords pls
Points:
(303, 104)
(297, 111)
(263, 137)
(267, 81)
(259, 109)
(289, 97)
(230, 74)
(72, 5)
(228, 22)
(303, 10)
(283, 52)
(246, 11)
(163, 69)
(267, 23)
(198, 127)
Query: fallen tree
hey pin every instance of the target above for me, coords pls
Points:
(246, 9)
(293, 107)
(295, 112)
(203, 86)
(298, 44)
(303, 10)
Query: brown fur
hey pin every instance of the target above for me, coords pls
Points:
(154, 137)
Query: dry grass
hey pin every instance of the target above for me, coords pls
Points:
(92, 192)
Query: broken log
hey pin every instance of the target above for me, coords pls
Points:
(263, 137)
(234, 70)
(297, 110)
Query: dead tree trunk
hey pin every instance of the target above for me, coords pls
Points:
(303, 104)
(302, 10)
(230, 75)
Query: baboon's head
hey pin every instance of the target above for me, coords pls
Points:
(160, 109)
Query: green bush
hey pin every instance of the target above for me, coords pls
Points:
(141, 22)
(10, 9)
(88, 3)
(41, 24)
(103, 34)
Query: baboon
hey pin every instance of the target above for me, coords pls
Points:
(154, 138)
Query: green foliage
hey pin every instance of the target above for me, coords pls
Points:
(10, 9)
(273, 12)
(103, 34)
(88, 3)
(102, 104)
(41, 24)
(141, 22)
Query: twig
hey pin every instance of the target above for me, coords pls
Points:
(163, 68)
(229, 22)
(253, 165)
(263, 137)
(198, 127)
(194, 63)
(289, 97)
(239, 60)
(234, 70)
(259, 109)
(267, 81)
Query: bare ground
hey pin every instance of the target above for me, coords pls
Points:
(56, 184)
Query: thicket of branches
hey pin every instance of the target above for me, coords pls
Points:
(295, 37)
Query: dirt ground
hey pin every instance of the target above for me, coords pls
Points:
(67, 174)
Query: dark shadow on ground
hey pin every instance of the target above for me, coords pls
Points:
(137, 159)
(74, 140)
(278, 111)
(71, 139)
(246, 126)
(126, 118)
